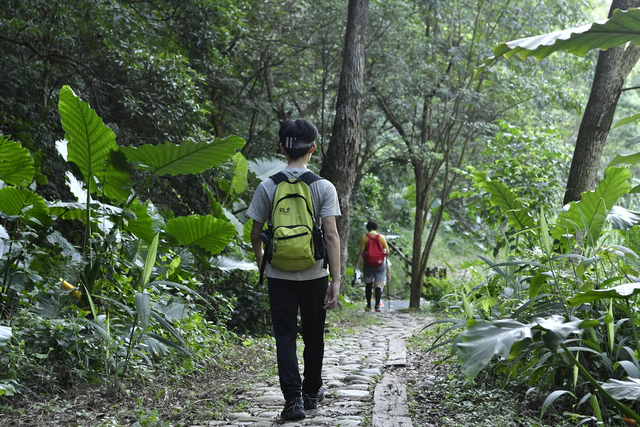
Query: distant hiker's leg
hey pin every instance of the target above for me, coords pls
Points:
(378, 296)
(284, 318)
(367, 292)
(312, 316)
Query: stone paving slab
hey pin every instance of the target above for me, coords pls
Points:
(354, 368)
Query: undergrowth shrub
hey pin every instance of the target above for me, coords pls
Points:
(250, 313)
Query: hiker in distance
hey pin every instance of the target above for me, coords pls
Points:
(294, 203)
(374, 251)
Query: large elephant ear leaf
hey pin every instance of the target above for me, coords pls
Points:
(207, 232)
(482, 340)
(16, 163)
(92, 147)
(23, 203)
(621, 28)
(190, 157)
(591, 210)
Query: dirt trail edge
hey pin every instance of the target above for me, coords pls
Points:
(370, 360)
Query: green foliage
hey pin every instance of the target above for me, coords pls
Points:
(562, 317)
(133, 298)
(436, 288)
(251, 312)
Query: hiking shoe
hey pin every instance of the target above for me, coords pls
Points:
(293, 410)
(311, 400)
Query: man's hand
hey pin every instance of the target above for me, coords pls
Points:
(331, 298)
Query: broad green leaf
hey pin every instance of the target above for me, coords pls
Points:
(144, 310)
(139, 222)
(516, 213)
(240, 173)
(628, 389)
(625, 159)
(621, 28)
(92, 147)
(16, 163)
(206, 232)
(5, 335)
(482, 340)
(632, 119)
(630, 368)
(190, 157)
(593, 206)
(622, 291)
(556, 330)
(26, 204)
(536, 283)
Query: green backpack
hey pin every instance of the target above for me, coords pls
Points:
(294, 241)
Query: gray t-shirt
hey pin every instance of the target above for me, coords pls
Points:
(325, 204)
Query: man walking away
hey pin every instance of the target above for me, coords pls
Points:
(307, 289)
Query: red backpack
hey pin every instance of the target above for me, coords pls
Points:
(374, 254)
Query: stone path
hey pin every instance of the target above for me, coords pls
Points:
(353, 366)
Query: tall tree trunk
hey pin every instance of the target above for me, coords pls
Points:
(611, 71)
(339, 163)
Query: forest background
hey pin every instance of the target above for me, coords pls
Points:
(134, 132)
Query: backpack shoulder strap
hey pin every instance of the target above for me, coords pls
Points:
(278, 178)
(309, 177)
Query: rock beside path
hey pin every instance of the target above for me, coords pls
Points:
(355, 366)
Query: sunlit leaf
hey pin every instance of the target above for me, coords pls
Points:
(621, 28)
(622, 218)
(628, 389)
(5, 335)
(265, 167)
(240, 172)
(622, 291)
(92, 147)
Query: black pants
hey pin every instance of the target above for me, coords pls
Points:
(285, 296)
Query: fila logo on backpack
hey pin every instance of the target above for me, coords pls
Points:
(374, 254)
(296, 242)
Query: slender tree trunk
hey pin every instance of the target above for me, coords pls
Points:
(339, 163)
(611, 71)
